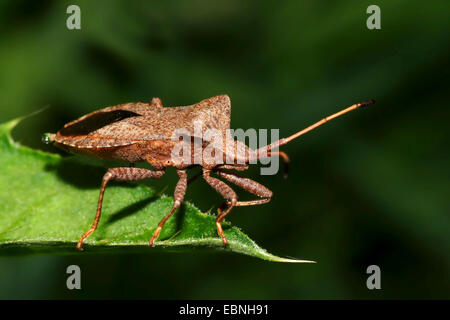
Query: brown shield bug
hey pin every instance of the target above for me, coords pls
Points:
(143, 132)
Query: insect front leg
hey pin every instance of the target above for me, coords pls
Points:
(119, 174)
(249, 186)
(180, 191)
(229, 195)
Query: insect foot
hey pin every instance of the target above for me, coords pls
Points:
(155, 236)
(221, 233)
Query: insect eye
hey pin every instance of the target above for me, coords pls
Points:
(48, 138)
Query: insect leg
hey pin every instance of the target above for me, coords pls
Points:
(178, 197)
(119, 174)
(232, 167)
(248, 185)
(229, 195)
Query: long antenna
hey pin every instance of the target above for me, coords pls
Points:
(283, 141)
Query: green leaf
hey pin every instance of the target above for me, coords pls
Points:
(48, 201)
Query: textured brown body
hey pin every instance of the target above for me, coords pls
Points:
(141, 131)
(136, 132)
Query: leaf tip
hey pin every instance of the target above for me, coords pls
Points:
(293, 260)
(8, 126)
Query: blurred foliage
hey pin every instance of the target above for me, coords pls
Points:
(370, 188)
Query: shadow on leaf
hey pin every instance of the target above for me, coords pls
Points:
(133, 208)
(79, 175)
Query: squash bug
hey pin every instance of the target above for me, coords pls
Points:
(143, 132)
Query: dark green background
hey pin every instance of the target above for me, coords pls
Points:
(369, 188)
